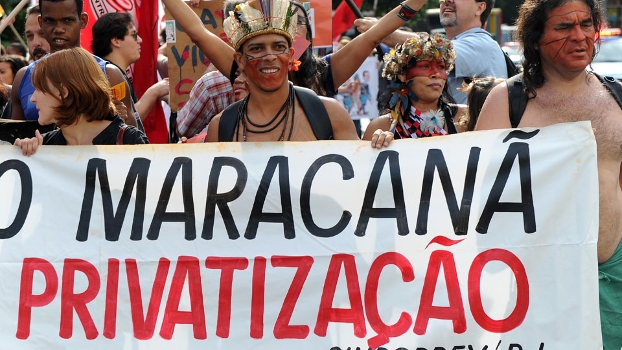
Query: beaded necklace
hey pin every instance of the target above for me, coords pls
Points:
(245, 122)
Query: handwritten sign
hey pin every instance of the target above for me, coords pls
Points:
(186, 63)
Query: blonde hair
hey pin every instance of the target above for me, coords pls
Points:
(78, 73)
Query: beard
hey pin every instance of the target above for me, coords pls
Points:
(450, 21)
(38, 52)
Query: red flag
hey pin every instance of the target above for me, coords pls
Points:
(343, 19)
(145, 69)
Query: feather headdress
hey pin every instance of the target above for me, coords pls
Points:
(421, 47)
(257, 17)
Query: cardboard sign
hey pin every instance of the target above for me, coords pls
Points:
(480, 240)
(186, 63)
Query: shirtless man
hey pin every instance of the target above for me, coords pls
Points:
(272, 112)
(558, 41)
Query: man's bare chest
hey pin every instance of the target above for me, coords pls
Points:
(599, 107)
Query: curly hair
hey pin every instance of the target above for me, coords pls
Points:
(530, 25)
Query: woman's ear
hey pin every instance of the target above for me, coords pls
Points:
(63, 91)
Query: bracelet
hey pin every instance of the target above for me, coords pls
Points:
(406, 12)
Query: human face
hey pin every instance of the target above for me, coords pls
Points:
(46, 104)
(568, 37)
(301, 27)
(461, 14)
(61, 24)
(130, 45)
(37, 45)
(6, 73)
(240, 90)
(429, 79)
(265, 59)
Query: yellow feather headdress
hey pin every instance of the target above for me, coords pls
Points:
(257, 17)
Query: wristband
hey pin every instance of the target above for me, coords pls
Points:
(406, 12)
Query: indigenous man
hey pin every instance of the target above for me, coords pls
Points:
(262, 37)
(557, 37)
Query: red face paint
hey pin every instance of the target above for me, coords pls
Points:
(429, 69)
(568, 38)
(267, 61)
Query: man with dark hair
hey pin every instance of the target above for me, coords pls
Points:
(274, 109)
(557, 37)
(477, 54)
(37, 45)
(16, 49)
(116, 40)
(61, 22)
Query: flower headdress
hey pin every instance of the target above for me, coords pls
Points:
(257, 17)
(421, 47)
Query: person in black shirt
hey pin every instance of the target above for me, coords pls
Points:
(77, 98)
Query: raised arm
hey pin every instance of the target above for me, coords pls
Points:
(347, 60)
(397, 37)
(216, 50)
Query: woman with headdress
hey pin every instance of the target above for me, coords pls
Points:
(420, 105)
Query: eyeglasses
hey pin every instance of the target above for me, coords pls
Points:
(302, 20)
(134, 35)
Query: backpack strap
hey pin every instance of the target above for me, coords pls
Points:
(316, 113)
(228, 122)
(311, 105)
(517, 97)
(120, 134)
(613, 86)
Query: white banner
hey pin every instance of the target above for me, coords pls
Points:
(482, 240)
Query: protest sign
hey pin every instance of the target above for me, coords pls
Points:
(359, 95)
(186, 63)
(481, 240)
